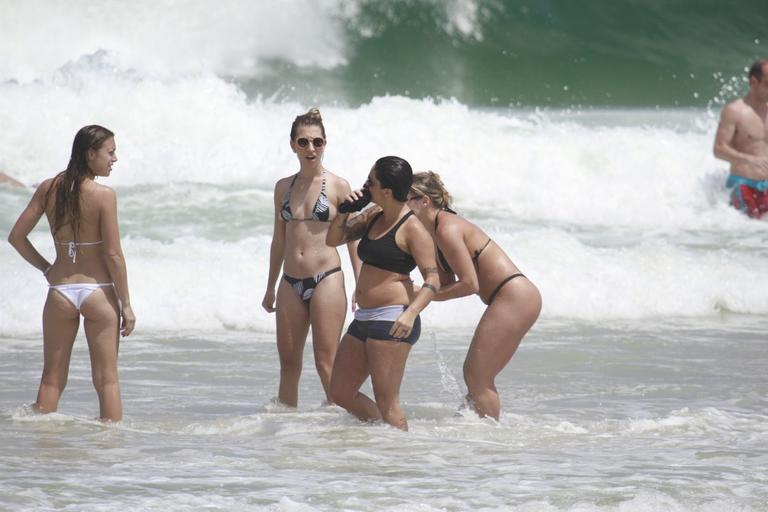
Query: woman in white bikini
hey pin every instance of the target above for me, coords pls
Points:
(88, 278)
(471, 263)
(311, 292)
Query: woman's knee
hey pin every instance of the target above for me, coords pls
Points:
(324, 358)
(291, 358)
(470, 371)
(104, 379)
(340, 397)
(324, 366)
(475, 377)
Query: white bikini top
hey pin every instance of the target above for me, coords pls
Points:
(72, 247)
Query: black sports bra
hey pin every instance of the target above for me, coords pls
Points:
(441, 258)
(321, 211)
(383, 252)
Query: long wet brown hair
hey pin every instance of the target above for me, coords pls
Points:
(66, 184)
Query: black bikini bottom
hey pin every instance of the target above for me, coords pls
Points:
(305, 288)
(501, 285)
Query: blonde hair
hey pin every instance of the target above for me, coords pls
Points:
(311, 118)
(429, 184)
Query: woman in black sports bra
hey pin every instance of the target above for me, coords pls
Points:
(311, 292)
(471, 263)
(392, 243)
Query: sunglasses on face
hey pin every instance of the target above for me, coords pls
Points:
(413, 197)
(317, 142)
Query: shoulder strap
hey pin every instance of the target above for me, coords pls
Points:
(287, 195)
(400, 222)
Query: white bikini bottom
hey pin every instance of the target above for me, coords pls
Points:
(76, 293)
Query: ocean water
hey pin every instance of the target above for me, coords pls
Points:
(579, 137)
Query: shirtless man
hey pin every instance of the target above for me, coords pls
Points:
(742, 140)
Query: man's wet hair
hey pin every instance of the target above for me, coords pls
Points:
(756, 70)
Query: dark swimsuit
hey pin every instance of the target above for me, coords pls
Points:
(475, 259)
(383, 253)
(305, 287)
(321, 211)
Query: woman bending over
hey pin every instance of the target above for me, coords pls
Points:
(471, 263)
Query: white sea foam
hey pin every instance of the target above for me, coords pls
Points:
(513, 165)
(161, 39)
(612, 214)
(170, 293)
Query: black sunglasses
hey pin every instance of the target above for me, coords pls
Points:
(317, 142)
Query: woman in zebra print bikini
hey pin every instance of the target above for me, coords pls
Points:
(311, 292)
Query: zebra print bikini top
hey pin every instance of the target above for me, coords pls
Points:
(321, 211)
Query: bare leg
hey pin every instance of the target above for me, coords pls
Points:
(60, 323)
(387, 364)
(350, 369)
(327, 311)
(292, 318)
(501, 328)
(102, 321)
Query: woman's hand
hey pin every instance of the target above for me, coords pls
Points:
(355, 195)
(268, 303)
(403, 325)
(355, 201)
(128, 321)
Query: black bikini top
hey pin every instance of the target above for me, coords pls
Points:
(321, 211)
(383, 252)
(441, 257)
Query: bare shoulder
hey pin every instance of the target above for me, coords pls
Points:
(45, 186)
(102, 189)
(282, 185)
(454, 224)
(418, 242)
(284, 182)
(41, 193)
(414, 226)
(103, 194)
(459, 228)
(338, 184)
(734, 110)
(454, 227)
